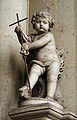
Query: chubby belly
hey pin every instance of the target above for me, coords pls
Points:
(46, 55)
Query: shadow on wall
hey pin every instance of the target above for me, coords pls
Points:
(17, 73)
(11, 75)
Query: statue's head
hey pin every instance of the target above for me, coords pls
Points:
(43, 14)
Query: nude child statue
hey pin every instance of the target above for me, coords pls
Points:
(45, 56)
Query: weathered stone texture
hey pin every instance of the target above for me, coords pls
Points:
(11, 62)
(65, 32)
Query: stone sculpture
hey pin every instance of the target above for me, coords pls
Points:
(44, 60)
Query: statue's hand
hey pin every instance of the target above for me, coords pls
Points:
(24, 49)
(24, 52)
(18, 29)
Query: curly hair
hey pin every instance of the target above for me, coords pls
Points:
(43, 14)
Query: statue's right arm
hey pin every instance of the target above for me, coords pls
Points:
(22, 37)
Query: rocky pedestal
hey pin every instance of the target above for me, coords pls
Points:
(41, 109)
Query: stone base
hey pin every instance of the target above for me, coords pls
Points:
(40, 108)
(37, 101)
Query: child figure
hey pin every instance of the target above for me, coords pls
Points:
(45, 56)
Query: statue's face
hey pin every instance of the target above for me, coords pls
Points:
(41, 25)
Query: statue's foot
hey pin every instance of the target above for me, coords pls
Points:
(24, 92)
(53, 100)
(50, 99)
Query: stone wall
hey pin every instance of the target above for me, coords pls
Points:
(11, 62)
(65, 33)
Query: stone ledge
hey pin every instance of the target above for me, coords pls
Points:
(67, 115)
(39, 110)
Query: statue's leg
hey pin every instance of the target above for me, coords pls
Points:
(52, 75)
(35, 72)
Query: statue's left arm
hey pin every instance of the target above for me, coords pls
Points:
(38, 43)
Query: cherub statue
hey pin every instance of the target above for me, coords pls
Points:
(45, 58)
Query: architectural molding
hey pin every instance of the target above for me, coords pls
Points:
(34, 111)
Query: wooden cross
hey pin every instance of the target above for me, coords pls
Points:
(18, 21)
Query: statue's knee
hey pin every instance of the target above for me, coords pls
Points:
(36, 71)
(39, 70)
